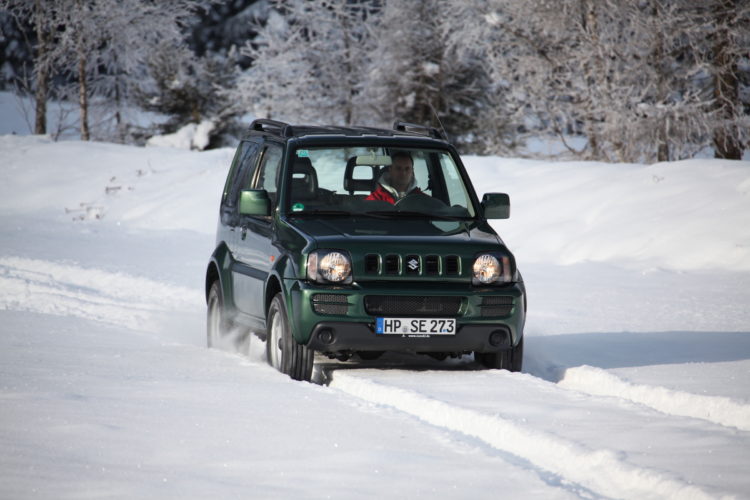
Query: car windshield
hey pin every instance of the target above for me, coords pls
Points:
(378, 182)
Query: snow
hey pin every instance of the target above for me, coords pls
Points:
(635, 382)
(191, 136)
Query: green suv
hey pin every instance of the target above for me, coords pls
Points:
(311, 257)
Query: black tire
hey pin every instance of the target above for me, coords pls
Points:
(282, 351)
(509, 359)
(217, 319)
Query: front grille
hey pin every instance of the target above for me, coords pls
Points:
(451, 264)
(432, 265)
(496, 305)
(330, 303)
(372, 263)
(378, 305)
(391, 264)
(412, 265)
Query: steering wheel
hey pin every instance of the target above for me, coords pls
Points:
(419, 201)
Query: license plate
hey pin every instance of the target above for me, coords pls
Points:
(415, 326)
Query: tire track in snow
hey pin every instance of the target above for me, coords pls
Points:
(717, 409)
(69, 290)
(602, 471)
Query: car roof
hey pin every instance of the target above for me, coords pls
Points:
(287, 131)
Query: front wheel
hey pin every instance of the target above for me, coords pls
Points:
(509, 359)
(282, 351)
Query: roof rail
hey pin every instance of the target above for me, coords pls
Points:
(419, 129)
(281, 129)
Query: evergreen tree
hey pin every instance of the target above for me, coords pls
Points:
(309, 59)
(415, 76)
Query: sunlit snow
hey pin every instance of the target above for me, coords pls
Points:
(636, 381)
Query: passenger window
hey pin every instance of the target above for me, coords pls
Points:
(269, 171)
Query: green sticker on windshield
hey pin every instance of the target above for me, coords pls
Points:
(303, 153)
(298, 207)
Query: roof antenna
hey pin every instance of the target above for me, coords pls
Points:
(442, 129)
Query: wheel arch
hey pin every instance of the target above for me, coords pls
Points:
(218, 268)
(273, 286)
(284, 279)
(212, 274)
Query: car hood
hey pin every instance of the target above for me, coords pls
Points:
(336, 232)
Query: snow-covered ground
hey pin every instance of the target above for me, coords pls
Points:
(636, 381)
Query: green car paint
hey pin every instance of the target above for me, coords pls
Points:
(413, 260)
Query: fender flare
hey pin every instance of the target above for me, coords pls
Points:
(284, 278)
(219, 267)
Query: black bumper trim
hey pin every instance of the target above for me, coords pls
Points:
(351, 336)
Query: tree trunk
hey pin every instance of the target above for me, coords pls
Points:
(42, 71)
(118, 115)
(726, 85)
(662, 152)
(662, 85)
(592, 74)
(83, 97)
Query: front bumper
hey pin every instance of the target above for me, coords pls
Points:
(349, 336)
(351, 328)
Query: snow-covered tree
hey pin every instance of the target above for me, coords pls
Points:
(631, 76)
(309, 62)
(730, 66)
(188, 89)
(40, 14)
(103, 46)
(414, 75)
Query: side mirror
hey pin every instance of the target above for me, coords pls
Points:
(496, 205)
(255, 202)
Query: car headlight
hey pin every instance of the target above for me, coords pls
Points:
(329, 266)
(489, 269)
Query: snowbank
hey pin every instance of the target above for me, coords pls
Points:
(685, 215)
(636, 357)
(191, 136)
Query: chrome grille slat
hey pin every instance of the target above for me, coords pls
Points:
(402, 265)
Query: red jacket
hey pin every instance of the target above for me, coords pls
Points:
(380, 194)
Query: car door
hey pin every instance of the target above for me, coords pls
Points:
(255, 252)
(241, 177)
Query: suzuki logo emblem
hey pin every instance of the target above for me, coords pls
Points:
(413, 264)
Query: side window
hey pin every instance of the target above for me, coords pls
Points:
(421, 174)
(234, 169)
(268, 174)
(457, 194)
(242, 172)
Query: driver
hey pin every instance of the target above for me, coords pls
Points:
(397, 181)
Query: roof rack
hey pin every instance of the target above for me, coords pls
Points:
(272, 127)
(283, 129)
(420, 129)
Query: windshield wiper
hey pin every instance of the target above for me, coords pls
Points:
(378, 214)
(382, 214)
(345, 213)
(408, 213)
